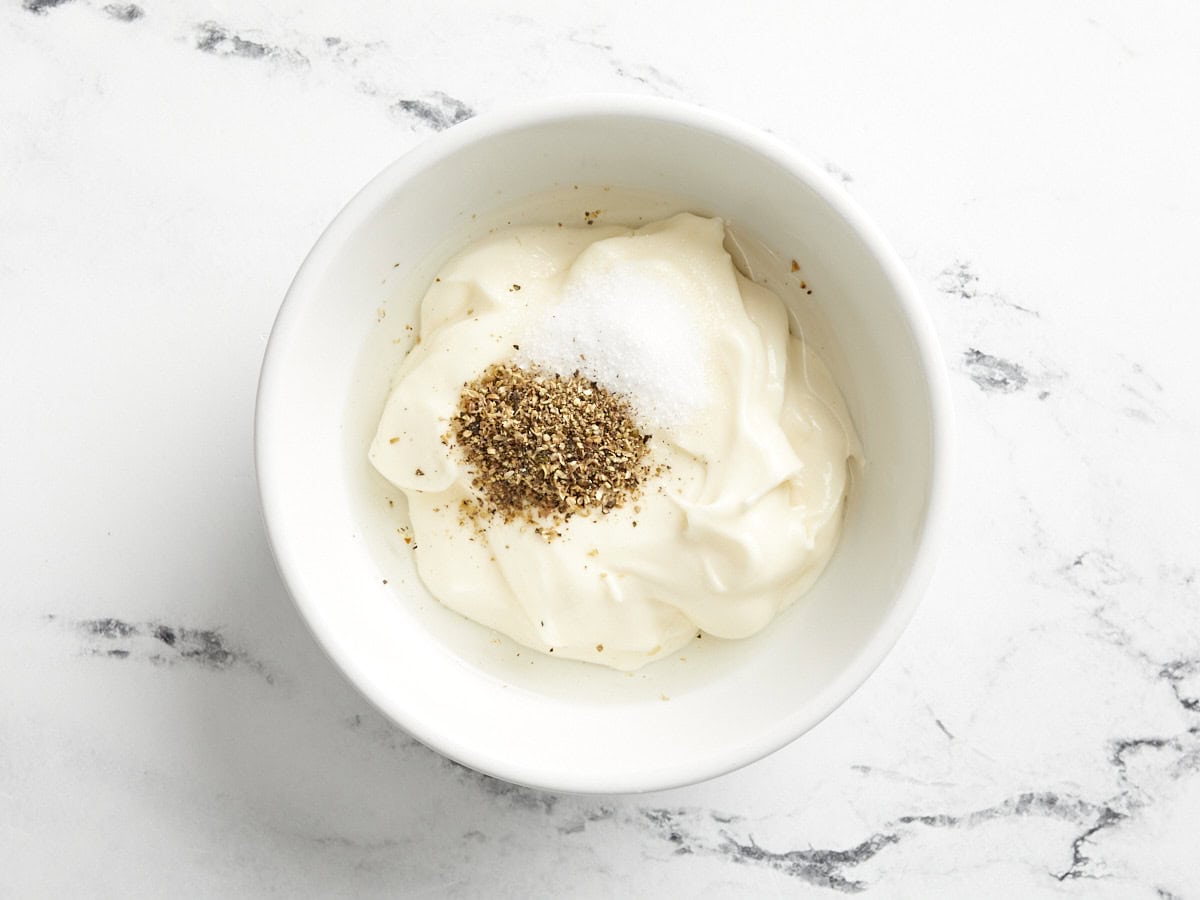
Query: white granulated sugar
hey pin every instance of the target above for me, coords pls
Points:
(633, 328)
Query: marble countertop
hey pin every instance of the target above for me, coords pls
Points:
(168, 724)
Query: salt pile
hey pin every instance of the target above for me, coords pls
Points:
(634, 329)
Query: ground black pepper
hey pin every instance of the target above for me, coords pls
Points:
(547, 447)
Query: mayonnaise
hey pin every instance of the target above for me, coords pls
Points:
(750, 432)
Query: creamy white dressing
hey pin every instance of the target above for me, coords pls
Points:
(745, 515)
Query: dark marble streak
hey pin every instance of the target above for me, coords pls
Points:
(690, 832)
(162, 644)
(107, 628)
(650, 76)
(220, 41)
(960, 281)
(1174, 673)
(515, 794)
(40, 6)
(125, 12)
(669, 824)
(838, 172)
(1101, 577)
(823, 868)
(1144, 391)
(384, 732)
(579, 823)
(1044, 804)
(440, 112)
(993, 374)
(820, 867)
(1079, 859)
(645, 74)
(1095, 571)
(437, 111)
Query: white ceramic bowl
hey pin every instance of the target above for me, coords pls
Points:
(556, 724)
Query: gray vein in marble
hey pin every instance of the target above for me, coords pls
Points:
(823, 868)
(1129, 801)
(838, 172)
(897, 777)
(650, 76)
(1105, 582)
(162, 644)
(1138, 370)
(381, 731)
(125, 12)
(576, 824)
(1096, 574)
(960, 281)
(578, 37)
(515, 794)
(993, 374)
(832, 867)
(1144, 391)
(218, 40)
(358, 846)
(1175, 673)
(1099, 576)
(1079, 860)
(435, 110)
(690, 831)
(645, 74)
(40, 6)
(1045, 804)
(439, 112)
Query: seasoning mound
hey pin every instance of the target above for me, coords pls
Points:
(542, 445)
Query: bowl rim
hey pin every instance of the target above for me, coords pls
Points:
(931, 363)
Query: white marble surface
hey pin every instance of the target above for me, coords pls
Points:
(167, 725)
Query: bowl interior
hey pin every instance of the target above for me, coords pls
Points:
(457, 686)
